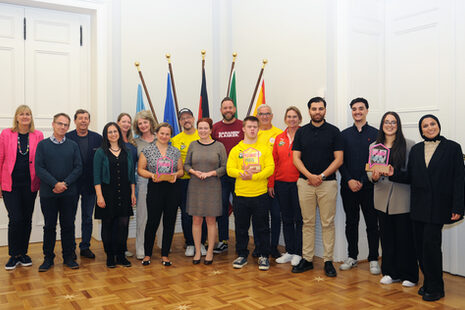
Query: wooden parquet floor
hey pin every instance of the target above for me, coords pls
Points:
(186, 286)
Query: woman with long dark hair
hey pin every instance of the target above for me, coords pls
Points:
(436, 176)
(114, 180)
(19, 183)
(392, 202)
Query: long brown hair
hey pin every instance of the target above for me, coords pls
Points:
(129, 135)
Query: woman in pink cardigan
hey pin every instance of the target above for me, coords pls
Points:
(19, 183)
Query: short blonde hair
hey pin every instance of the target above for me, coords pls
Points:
(147, 115)
(22, 108)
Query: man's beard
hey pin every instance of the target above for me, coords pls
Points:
(228, 119)
(316, 120)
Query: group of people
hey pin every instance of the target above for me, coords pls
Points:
(270, 173)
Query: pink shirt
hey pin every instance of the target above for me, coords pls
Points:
(8, 151)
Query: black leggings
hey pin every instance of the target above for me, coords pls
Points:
(162, 198)
(115, 234)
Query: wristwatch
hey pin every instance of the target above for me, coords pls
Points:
(323, 177)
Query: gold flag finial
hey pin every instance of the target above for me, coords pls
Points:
(203, 52)
(265, 61)
(137, 64)
(168, 57)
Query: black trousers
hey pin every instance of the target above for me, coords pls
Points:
(162, 198)
(255, 208)
(352, 202)
(115, 234)
(428, 241)
(399, 260)
(65, 207)
(286, 193)
(20, 205)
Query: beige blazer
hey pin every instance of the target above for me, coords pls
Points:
(391, 197)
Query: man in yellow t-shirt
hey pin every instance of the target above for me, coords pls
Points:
(266, 135)
(182, 141)
(251, 163)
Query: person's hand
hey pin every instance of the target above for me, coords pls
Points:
(195, 173)
(101, 202)
(375, 175)
(271, 192)
(174, 178)
(314, 180)
(354, 185)
(455, 216)
(133, 199)
(59, 188)
(246, 175)
(391, 171)
(156, 178)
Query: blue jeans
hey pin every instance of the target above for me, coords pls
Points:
(257, 209)
(227, 188)
(286, 193)
(87, 211)
(275, 223)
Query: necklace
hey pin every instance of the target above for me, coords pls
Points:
(115, 150)
(19, 146)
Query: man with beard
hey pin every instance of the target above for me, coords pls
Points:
(317, 154)
(182, 141)
(229, 132)
(88, 142)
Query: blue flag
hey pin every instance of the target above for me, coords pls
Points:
(171, 115)
(140, 99)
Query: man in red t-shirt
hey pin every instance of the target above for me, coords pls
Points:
(229, 132)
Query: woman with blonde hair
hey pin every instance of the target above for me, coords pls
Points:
(144, 126)
(19, 183)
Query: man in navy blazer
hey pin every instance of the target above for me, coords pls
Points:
(88, 142)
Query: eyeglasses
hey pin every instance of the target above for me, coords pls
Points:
(392, 123)
(62, 124)
(264, 114)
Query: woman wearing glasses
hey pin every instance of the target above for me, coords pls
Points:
(392, 202)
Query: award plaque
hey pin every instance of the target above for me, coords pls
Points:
(251, 160)
(165, 169)
(378, 157)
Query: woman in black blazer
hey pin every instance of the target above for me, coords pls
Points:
(436, 176)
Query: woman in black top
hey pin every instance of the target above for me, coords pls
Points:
(436, 176)
(114, 182)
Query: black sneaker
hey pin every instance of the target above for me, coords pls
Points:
(87, 253)
(122, 260)
(25, 260)
(329, 269)
(263, 263)
(12, 263)
(240, 262)
(303, 266)
(71, 263)
(221, 247)
(111, 261)
(46, 265)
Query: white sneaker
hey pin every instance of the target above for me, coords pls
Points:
(128, 254)
(190, 250)
(285, 258)
(140, 256)
(296, 259)
(203, 250)
(374, 267)
(407, 283)
(349, 263)
(388, 280)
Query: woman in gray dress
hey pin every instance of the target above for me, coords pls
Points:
(206, 163)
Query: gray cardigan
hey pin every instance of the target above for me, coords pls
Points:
(392, 197)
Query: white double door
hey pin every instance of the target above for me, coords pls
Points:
(44, 63)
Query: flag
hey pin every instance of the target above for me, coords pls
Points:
(170, 116)
(140, 99)
(232, 91)
(203, 105)
(261, 98)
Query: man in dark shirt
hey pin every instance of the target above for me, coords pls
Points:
(356, 190)
(229, 132)
(88, 142)
(58, 166)
(317, 154)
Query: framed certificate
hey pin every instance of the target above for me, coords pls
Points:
(165, 169)
(251, 160)
(378, 157)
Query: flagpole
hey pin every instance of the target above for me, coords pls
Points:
(203, 59)
(170, 68)
(230, 73)
(137, 64)
(256, 87)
